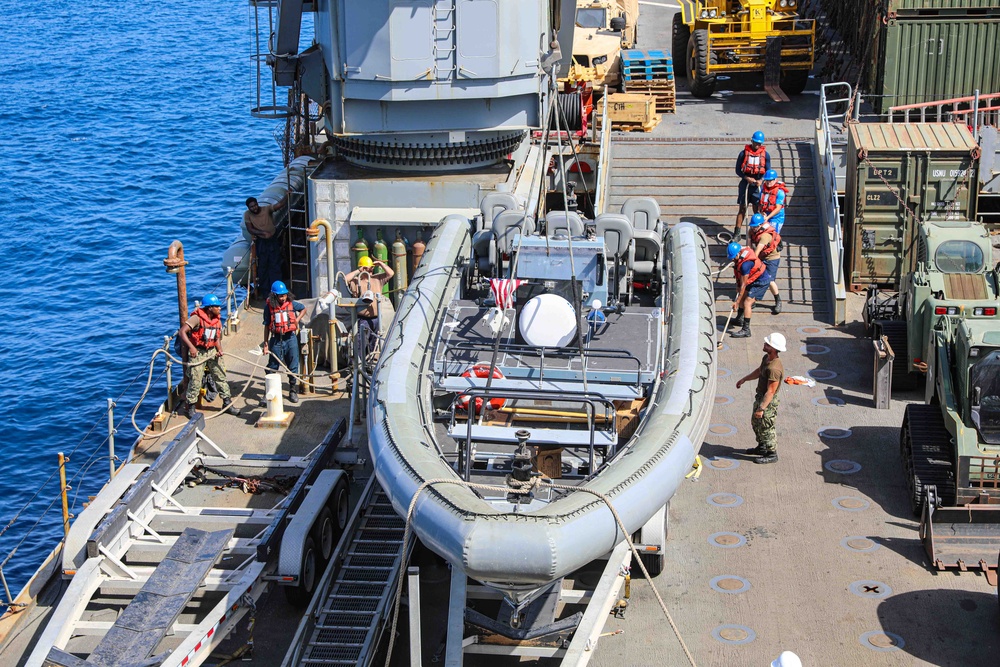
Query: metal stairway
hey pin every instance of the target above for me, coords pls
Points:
(695, 181)
(352, 608)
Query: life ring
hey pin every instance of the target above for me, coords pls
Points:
(480, 371)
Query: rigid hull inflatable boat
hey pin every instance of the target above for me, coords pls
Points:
(494, 395)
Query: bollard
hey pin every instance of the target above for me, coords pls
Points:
(882, 377)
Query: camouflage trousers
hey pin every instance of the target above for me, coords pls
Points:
(214, 366)
(763, 428)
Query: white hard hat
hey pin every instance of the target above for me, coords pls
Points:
(787, 658)
(777, 341)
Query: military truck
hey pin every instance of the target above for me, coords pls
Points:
(950, 445)
(712, 37)
(603, 29)
(949, 276)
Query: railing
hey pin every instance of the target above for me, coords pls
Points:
(826, 108)
(985, 110)
(603, 160)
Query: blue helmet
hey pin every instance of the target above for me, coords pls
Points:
(758, 137)
(278, 287)
(757, 220)
(770, 175)
(211, 300)
(732, 250)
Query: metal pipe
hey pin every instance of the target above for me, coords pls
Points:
(111, 437)
(230, 295)
(413, 581)
(312, 234)
(975, 116)
(63, 460)
(175, 264)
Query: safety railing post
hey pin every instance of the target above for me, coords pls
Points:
(111, 437)
(63, 488)
(170, 383)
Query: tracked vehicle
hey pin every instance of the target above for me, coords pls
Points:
(712, 37)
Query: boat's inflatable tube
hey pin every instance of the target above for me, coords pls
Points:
(527, 550)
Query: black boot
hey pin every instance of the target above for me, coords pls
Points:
(768, 457)
(744, 332)
(293, 395)
(776, 309)
(187, 410)
(738, 320)
(227, 406)
(756, 451)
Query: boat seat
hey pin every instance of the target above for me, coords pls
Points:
(567, 223)
(493, 205)
(539, 436)
(647, 231)
(152, 612)
(616, 229)
(615, 392)
(506, 226)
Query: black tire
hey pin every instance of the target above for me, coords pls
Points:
(324, 533)
(339, 505)
(299, 596)
(794, 81)
(681, 33)
(700, 81)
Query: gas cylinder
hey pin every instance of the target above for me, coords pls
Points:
(381, 252)
(399, 266)
(418, 251)
(360, 248)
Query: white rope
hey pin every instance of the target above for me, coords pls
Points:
(522, 487)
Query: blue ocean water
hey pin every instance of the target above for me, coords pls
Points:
(124, 126)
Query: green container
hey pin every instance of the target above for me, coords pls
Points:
(926, 166)
(927, 6)
(929, 59)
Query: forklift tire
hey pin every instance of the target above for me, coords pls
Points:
(679, 46)
(701, 83)
(299, 596)
(794, 81)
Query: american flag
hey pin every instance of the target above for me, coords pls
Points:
(503, 291)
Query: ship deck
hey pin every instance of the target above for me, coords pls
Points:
(817, 553)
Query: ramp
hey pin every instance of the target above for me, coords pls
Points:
(348, 613)
(694, 180)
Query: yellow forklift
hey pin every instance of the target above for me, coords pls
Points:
(712, 37)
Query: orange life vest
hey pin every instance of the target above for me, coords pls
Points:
(759, 231)
(769, 197)
(282, 317)
(206, 336)
(754, 161)
(748, 255)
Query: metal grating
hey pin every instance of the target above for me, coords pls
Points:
(351, 616)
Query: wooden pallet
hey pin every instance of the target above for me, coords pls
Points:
(662, 90)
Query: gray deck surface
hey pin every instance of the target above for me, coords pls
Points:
(793, 557)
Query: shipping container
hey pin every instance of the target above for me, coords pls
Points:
(933, 58)
(928, 6)
(926, 167)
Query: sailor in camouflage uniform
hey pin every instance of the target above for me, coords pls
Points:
(769, 375)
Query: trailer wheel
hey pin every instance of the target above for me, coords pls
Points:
(681, 33)
(324, 533)
(655, 562)
(700, 81)
(794, 81)
(339, 505)
(299, 596)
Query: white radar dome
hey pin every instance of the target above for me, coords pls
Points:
(547, 320)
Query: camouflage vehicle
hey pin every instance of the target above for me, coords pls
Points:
(603, 29)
